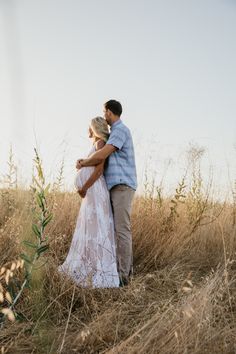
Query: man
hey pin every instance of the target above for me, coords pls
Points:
(121, 179)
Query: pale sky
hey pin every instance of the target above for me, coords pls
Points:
(171, 64)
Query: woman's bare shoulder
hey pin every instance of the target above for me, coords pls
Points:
(100, 144)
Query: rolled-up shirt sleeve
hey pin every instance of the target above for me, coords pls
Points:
(117, 138)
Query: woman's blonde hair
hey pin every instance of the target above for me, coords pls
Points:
(100, 128)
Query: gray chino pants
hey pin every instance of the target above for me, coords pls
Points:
(121, 201)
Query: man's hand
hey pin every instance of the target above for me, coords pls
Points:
(78, 164)
(82, 192)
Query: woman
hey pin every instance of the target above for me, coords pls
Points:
(91, 260)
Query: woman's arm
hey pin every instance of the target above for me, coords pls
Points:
(98, 171)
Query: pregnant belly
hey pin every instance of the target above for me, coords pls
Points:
(82, 176)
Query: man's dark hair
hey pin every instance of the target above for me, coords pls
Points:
(114, 106)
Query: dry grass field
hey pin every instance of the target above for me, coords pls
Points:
(182, 297)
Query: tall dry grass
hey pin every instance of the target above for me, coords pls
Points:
(182, 297)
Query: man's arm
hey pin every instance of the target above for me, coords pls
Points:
(97, 157)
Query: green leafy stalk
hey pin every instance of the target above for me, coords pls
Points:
(42, 216)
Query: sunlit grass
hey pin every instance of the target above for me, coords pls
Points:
(182, 295)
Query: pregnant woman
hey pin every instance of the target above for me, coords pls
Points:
(91, 261)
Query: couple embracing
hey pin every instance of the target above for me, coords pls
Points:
(100, 254)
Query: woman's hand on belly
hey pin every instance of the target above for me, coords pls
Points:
(82, 192)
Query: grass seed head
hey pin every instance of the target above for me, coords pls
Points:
(18, 264)
(9, 313)
(186, 289)
(7, 279)
(2, 271)
(22, 262)
(189, 283)
(8, 297)
(13, 266)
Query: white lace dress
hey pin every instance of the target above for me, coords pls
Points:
(91, 261)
